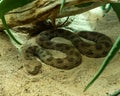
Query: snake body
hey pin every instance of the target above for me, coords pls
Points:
(100, 48)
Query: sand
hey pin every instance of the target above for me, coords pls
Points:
(14, 81)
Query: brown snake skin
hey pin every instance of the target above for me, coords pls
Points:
(99, 48)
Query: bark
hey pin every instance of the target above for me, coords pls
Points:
(40, 10)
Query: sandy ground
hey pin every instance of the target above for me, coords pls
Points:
(14, 81)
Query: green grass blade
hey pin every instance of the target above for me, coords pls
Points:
(110, 55)
(116, 8)
(7, 5)
(62, 5)
(8, 31)
(106, 8)
(116, 93)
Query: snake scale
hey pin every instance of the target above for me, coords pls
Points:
(36, 48)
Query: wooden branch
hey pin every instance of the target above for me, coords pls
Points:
(40, 10)
(75, 10)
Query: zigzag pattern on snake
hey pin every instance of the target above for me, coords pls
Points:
(73, 57)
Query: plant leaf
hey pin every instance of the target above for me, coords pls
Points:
(116, 8)
(116, 93)
(8, 31)
(7, 5)
(106, 8)
(109, 57)
(62, 5)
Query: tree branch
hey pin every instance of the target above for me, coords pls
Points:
(40, 10)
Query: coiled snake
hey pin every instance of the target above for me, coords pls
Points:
(35, 48)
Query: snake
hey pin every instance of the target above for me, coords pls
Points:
(37, 47)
